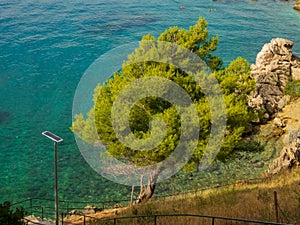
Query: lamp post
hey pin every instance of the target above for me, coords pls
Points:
(55, 140)
(298, 141)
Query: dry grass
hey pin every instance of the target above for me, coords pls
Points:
(250, 201)
(253, 201)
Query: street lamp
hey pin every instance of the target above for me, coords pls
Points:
(298, 141)
(55, 140)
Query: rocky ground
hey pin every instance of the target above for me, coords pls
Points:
(78, 216)
(75, 218)
(286, 130)
(31, 220)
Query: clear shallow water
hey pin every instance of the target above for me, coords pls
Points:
(45, 47)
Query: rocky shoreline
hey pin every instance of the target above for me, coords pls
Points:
(279, 127)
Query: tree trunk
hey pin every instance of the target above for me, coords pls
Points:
(147, 192)
(131, 197)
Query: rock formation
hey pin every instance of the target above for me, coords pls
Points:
(275, 66)
(289, 157)
(91, 209)
(297, 5)
(32, 220)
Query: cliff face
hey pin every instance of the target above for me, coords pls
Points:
(275, 66)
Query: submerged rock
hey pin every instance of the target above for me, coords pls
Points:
(4, 116)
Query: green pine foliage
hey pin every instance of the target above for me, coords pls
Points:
(234, 80)
(293, 88)
(236, 84)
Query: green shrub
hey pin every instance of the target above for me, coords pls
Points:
(10, 217)
(249, 146)
(293, 88)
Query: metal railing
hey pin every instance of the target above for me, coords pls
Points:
(45, 208)
(155, 219)
(34, 206)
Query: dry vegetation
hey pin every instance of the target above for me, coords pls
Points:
(253, 201)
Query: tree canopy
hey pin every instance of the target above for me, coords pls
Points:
(234, 81)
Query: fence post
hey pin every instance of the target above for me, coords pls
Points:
(154, 219)
(276, 206)
(30, 205)
(213, 221)
(42, 213)
(67, 206)
(83, 219)
(62, 218)
(115, 221)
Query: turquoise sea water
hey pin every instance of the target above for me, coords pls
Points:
(45, 47)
